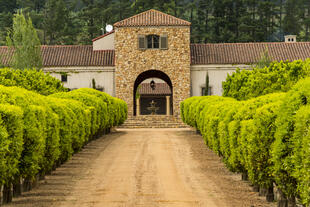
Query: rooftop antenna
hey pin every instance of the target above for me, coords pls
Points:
(108, 28)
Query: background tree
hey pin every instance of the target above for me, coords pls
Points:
(206, 92)
(23, 39)
(265, 60)
(213, 21)
(292, 19)
(56, 21)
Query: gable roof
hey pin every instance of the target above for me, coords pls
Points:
(247, 53)
(152, 18)
(67, 55)
(160, 89)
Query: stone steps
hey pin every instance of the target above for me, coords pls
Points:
(153, 121)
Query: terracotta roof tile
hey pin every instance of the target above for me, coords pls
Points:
(247, 53)
(71, 55)
(225, 53)
(152, 18)
(160, 89)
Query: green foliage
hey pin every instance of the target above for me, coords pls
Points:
(207, 85)
(11, 141)
(65, 115)
(31, 80)
(23, 39)
(265, 60)
(278, 77)
(266, 137)
(78, 22)
(138, 95)
(285, 144)
(56, 12)
(259, 165)
(301, 153)
(39, 132)
(117, 108)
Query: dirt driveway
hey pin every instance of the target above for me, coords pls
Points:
(143, 168)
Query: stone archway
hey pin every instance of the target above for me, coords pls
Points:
(153, 74)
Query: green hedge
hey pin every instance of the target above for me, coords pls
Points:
(31, 80)
(266, 137)
(286, 147)
(47, 130)
(11, 141)
(278, 77)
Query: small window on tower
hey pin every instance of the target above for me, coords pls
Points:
(152, 41)
(64, 77)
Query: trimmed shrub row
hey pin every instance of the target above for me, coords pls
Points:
(37, 133)
(278, 77)
(265, 138)
(32, 80)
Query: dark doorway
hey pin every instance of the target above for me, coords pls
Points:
(147, 75)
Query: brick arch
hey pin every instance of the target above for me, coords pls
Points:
(151, 74)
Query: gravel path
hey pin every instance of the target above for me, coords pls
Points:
(143, 168)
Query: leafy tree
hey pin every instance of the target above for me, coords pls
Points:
(79, 21)
(265, 59)
(56, 21)
(31, 4)
(8, 5)
(23, 39)
(292, 24)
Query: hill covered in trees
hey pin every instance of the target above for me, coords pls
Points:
(213, 21)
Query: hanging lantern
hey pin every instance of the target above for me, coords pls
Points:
(153, 85)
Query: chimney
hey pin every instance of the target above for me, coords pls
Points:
(290, 38)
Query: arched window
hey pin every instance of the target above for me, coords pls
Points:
(152, 41)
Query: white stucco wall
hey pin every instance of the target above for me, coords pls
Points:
(82, 77)
(217, 74)
(105, 43)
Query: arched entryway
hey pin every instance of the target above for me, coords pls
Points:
(149, 75)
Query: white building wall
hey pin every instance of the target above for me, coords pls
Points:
(82, 77)
(105, 43)
(217, 74)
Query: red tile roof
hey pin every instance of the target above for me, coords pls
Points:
(102, 36)
(247, 53)
(160, 89)
(68, 55)
(201, 54)
(152, 18)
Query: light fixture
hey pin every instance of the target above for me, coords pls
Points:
(153, 85)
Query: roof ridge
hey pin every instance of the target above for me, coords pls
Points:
(109, 50)
(134, 16)
(249, 43)
(170, 15)
(160, 21)
(104, 35)
(57, 46)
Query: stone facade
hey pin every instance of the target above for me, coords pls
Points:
(131, 61)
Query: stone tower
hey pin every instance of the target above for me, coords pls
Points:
(152, 44)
